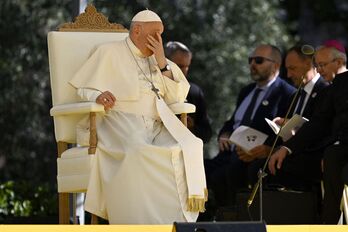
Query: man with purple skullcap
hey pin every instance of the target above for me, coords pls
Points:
(335, 44)
(148, 167)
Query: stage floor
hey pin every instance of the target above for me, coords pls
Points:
(157, 228)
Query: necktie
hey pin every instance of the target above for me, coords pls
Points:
(301, 100)
(249, 111)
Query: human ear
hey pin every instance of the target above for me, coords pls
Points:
(339, 61)
(137, 29)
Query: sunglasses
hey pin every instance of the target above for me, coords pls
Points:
(259, 59)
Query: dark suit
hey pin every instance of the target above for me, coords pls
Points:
(300, 169)
(330, 119)
(273, 104)
(276, 98)
(202, 128)
(314, 97)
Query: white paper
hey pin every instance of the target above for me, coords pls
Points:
(247, 138)
(290, 127)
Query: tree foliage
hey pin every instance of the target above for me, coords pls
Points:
(27, 149)
(314, 21)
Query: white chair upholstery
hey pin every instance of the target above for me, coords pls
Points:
(67, 52)
(74, 178)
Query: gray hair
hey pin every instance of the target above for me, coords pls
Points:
(336, 54)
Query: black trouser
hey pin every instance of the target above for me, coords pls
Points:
(335, 158)
(216, 177)
(299, 171)
(226, 174)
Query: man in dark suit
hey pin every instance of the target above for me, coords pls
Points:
(197, 122)
(328, 120)
(300, 170)
(267, 97)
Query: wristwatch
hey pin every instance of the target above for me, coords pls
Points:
(166, 68)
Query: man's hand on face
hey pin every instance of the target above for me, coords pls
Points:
(156, 46)
(106, 99)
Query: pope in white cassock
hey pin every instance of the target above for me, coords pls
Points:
(148, 167)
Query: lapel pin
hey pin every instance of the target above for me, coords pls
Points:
(314, 94)
(265, 102)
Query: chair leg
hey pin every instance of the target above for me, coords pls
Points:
(64, 214)
(94, 219)
(63, 198)
(183, 118)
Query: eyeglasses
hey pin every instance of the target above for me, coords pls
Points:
(259, 59)
(323, 64)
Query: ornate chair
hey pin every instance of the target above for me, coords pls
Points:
(68, 49)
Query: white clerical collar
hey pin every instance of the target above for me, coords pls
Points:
(310, 85)
(134, 48)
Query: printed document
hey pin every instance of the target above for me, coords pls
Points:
(247, 137)
(290, 127)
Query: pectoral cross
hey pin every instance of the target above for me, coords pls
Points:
(155, 90)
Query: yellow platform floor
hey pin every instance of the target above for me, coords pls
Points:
(157, 228)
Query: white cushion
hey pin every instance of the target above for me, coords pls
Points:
(73, 169)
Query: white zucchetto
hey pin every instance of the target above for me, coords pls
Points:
(146, 16)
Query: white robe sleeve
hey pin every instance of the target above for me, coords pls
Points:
(88, 94)
(177, 89)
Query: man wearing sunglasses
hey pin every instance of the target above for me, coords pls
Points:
(329, 120)
(266, 97)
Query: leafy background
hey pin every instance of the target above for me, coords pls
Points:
(220, 33)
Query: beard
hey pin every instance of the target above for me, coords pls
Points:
(257, 75)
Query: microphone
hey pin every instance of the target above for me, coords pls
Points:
(262, 173)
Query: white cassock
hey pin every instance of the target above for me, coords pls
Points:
(148, 168)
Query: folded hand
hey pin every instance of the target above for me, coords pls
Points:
(106, 99)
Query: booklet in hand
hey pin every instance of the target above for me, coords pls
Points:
(290, 127)
(247, 138)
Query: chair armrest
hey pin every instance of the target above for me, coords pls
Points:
(179, 108)
(76, 108)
